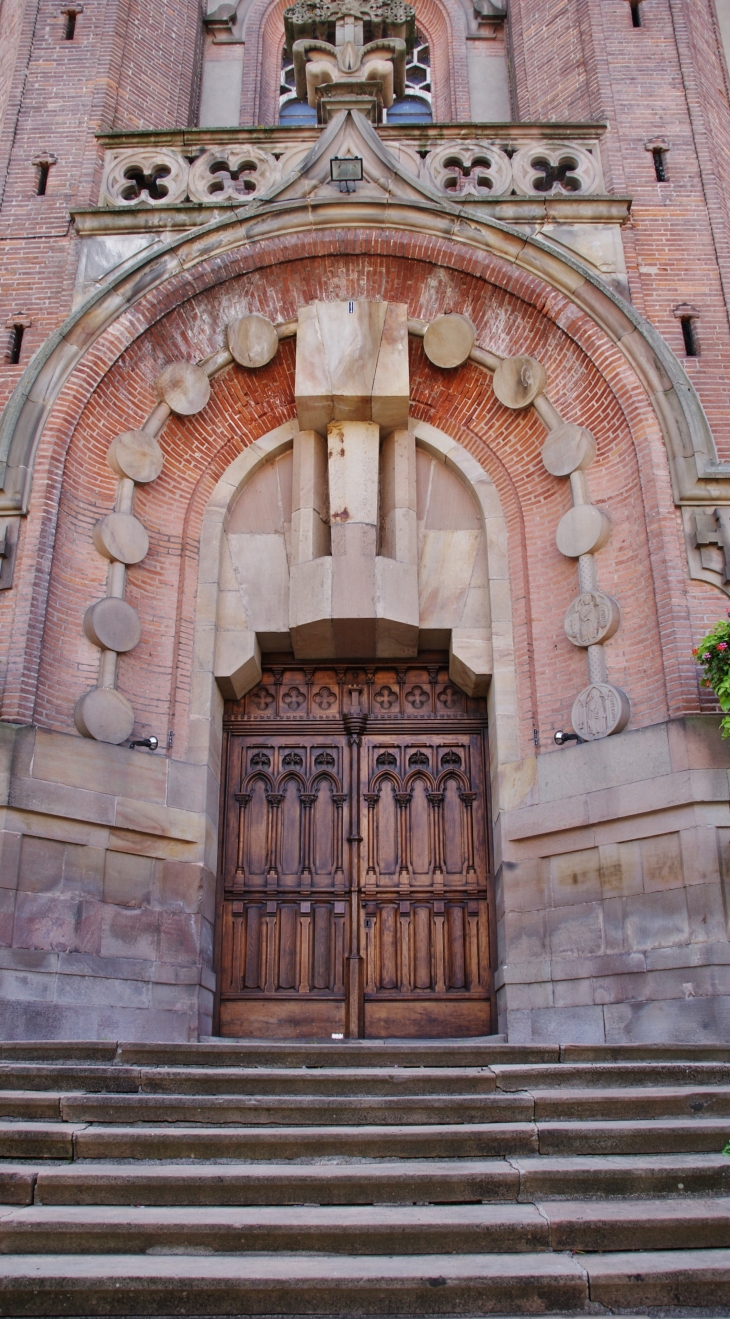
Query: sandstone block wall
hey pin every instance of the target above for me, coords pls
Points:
(613, 893)
(107, 896)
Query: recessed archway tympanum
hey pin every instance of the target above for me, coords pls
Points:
(349, 595)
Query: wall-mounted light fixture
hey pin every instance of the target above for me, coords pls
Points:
(560, 738)
(151, 743)
(347, 171)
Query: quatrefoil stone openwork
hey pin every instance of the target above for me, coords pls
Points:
(472, 168)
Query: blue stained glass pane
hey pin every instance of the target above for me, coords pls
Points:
(297, 112)
(410, 110)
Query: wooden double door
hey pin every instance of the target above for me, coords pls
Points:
(354, 893)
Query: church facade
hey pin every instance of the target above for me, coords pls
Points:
(365, 471)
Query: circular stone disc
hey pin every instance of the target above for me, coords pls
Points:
(518, 381)
(582, 530)
(121, 537)
(449, 340)
(253, 341)
(184, 387)
(600, 710)
(112, 624)
(592, 618)
(568, 449)
(105, 715)
(137, 455)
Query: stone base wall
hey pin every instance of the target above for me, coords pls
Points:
(614, 889)
(106, 901)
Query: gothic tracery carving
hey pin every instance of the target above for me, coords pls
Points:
(232, 173)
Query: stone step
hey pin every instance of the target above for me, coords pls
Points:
(360, 1081)
(49, 1140)
(332, 1284)
(546, 1105)
(475, 1140)
(395, 1181)
(603, 1053)
(333, 1081)
(286, 1283)
(366, 1230)
(336, 1082)
(676, 1278)
(632, 1102)
(432, 1053)
(479, 1052)
(68, 1076)
(683, 1224)
(45, 1051)
(37, 1140)
(295, 1110)
(638, 1136)
(610, 1075)
(338, 1053)
(570, 1177)
(392, 1181)
(34, 1105)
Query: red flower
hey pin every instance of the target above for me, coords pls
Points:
(721, 645)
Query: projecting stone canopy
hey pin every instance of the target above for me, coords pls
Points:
(352, 386)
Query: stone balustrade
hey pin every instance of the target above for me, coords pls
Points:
(470, 164)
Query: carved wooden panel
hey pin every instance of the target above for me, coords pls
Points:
(425, 885)
(303, 849)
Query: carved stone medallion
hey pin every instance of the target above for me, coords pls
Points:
(584, 529)
(600, 710)
(591, 618)
(567, 449)
(518, 381)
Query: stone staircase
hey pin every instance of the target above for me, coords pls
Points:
(460, 1177)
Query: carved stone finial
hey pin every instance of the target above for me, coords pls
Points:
(380, 18)
(351, 49)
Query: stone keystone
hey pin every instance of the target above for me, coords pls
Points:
(352, 364)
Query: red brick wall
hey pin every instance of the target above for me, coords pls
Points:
(130, 65)
(584, 59)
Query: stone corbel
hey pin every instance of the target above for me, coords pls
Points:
(707, 537)
(485, 20)
(470, 659)
(220, 24)
(237, 664)
(9, 533)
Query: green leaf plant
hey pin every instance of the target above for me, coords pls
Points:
(713, 657)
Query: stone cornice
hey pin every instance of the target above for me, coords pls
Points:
(91, 220)
(430, 134)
